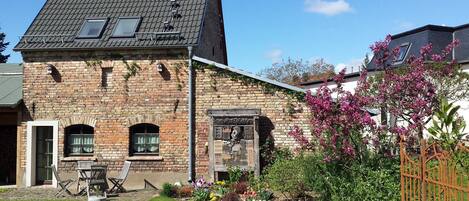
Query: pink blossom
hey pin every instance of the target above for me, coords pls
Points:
(437, 58)
(426, 50)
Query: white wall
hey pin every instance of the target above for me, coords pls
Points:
(349, 85)
(464, 111)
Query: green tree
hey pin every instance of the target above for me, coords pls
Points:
(3, 46)
(365, 63)
(294, 72)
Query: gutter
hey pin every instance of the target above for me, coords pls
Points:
(191, 165)
(10, 105)
(10, 74)
(99, 48)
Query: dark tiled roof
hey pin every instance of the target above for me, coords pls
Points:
(61, 21)
(438, 36)
(313, 82)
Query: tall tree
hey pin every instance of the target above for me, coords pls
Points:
(365, 63)
(3, 46)
(294, 72)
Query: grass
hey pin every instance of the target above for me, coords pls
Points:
(4, 190)
(162, 198)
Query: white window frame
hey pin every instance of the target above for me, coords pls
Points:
(409, 45)
(31, 150)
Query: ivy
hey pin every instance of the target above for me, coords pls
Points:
(177, 69)
(290, 108)
(132, 69)
(92, 61)
(247, 81)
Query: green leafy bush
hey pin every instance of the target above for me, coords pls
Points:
(264, 195)
(448, 131)
(287, 177)
(234, 175)
(270, 153)
(376, 180)
(169, 190)
(201, 195)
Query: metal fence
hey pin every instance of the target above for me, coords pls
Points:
(431, 174)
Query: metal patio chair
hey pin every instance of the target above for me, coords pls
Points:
(118, 182)
(64, 185)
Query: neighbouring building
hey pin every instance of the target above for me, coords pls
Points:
(11, 90)
(410, 43)
(143, 81)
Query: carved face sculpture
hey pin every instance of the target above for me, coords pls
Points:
(236, 134)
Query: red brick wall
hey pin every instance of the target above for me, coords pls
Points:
(76, 96)
(214, 91)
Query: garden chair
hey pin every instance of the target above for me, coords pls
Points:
(118, 181)
(97, 184)
(64, 185)
(83, 168)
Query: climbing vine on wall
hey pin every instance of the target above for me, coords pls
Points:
(267, 87)
(177, 69)
(132, 69)
(92, 61)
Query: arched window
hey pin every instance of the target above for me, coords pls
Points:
(79, 140)
(144, 139)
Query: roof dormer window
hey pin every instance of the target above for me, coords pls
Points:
(92, 28)
(126, 27)
(403, 50)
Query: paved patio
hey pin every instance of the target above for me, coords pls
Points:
(48, 194)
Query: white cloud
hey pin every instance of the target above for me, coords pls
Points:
(350, 66)
(327, 7)
(275, 55)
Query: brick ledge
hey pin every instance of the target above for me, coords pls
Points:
(144, 158)
(79, 158)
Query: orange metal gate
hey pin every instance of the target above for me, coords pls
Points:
(431, 175)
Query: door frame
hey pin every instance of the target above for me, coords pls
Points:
(31, 150)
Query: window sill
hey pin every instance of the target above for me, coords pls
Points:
(144, 158)
(79, 158)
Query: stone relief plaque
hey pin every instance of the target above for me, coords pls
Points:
(234, 137)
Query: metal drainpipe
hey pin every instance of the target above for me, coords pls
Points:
(191, 118)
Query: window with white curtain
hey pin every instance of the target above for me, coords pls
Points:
(144, 139)
(79, 140)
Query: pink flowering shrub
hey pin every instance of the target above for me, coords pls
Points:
(409, 92)
(343, 128)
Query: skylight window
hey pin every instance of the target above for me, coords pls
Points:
(92, 28)
(403, 49)
(126, 27)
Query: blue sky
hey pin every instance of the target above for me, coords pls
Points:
(260, 32)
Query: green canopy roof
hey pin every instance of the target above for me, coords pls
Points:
(11, 84)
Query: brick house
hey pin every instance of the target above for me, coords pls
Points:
(143, 81)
